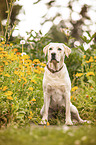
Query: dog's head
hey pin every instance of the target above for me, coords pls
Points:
(56, 52)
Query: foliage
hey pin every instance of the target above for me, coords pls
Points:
(21, 93)
(9, 12)
(37, 42)
(85, 79)
(65, 15)
(20, 86)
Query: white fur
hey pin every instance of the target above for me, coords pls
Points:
(57, 86)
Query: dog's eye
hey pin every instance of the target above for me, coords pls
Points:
(50, 48)
(59, 49)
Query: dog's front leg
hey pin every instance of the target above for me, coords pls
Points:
(68, 113)
(46, 108)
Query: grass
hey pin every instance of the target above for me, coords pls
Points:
(53, 135)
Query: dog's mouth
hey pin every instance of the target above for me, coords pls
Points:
(54, 61)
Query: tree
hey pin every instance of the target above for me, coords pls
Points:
(76, 25)
(5, 7)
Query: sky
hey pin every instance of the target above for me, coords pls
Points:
(31, 15)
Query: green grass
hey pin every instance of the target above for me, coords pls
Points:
(53, 135)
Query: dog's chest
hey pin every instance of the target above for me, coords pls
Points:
(56, 94)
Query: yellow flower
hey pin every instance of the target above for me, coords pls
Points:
(1, 70)
(21, 74)
(84, 56)
(37, 71)
(74, 99)
(48, 124)
(29, 73)
(7, 75)
(26, 65)
(15, 49)
(79, 74)
(91, 59)
(71, 97)
(24, 79)
(12, 81)
(43, 64)
(74, 88)
(6, 63)
(16, 72)
(90, 74)
(87, 61)
(11, 44)
(94, 57)
(0, 88)
(24, 83)
(8, 93)
(4, 52)
(91, 87)
(5, 88)
(1, 56)
(30, 117)
(20, 66)
(29, 61)
(3, 42)
(38, 67)
(33, 81)
(33, 100)
(1, 49)
(6, 45)
(19, 80)
(10, 98)
(42, 69)
(36, 61)
(31, 113)
(1, 66)
(44, 126)
(30, 88)
(18, 53)
(25, 57)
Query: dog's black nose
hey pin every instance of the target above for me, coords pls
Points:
(53, 55)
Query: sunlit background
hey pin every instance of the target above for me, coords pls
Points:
(31, 14)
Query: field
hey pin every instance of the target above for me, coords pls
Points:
(21, 97)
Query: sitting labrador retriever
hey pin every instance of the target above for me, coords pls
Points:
(57, 84)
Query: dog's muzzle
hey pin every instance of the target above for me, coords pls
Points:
(53, 57)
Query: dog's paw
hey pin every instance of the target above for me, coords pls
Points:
(43, 122)
(68, 123)
(83, 121)
(88, 121)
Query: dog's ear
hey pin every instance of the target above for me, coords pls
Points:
(67, 50)
(45, 49)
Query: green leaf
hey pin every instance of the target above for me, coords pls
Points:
(91, 82)
(21, 112)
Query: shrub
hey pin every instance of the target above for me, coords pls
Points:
(20, 86)
(84, 96)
